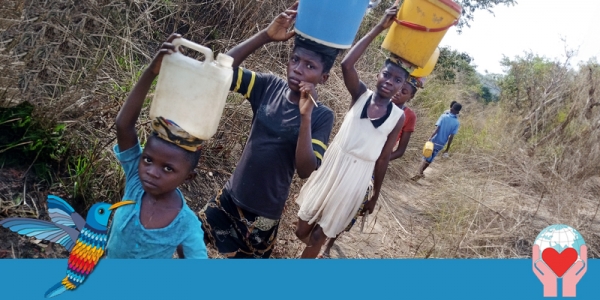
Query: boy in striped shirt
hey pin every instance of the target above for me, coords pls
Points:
(289, 134)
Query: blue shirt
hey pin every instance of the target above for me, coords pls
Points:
(448, 125)
(127, 236)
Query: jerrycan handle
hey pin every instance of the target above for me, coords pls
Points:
(208, 54)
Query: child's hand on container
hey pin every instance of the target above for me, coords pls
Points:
(388, 17)
(165, 48)
(308, 95)
(278, 29)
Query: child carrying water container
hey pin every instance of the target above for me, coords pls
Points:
(408, 91)
(160, 222)
(333, 194)
(289, 134)
(446, 128)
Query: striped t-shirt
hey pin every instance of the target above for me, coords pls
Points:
(261, 181)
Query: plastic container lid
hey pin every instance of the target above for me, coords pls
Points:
(225, 60)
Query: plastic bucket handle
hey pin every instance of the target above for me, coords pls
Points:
(423, 28)
(208, 54)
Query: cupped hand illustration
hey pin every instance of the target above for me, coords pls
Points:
(574, 274)
(543, 273)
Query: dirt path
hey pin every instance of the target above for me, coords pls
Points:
(395, 229)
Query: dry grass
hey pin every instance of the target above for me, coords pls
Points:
(499, 190)
(76, 61)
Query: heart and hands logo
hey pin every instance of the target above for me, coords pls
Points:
(559, 251)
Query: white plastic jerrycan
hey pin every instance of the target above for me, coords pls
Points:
(192, 93)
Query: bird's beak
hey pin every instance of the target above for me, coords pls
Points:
(119, 204)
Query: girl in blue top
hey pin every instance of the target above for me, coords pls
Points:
(160, 222)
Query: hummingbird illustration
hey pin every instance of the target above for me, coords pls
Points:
(84, 239)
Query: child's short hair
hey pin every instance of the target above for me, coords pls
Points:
(452, 103)
(390, 62)
(325, 53)
(193, 157)
(457, 107)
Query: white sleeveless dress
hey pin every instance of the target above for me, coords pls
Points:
(333, 193)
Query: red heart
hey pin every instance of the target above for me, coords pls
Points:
(559, 263)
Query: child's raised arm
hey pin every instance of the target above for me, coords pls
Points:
(277, 31)
(354, 85)
(130, 111)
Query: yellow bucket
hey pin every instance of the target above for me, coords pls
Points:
(419, 28)
(428, 149)
(425, 71)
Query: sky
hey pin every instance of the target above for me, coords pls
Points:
(530, 25)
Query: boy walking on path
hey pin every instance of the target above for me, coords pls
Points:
(288, 134)
(446, 128)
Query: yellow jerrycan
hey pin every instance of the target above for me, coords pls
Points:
(428, 149)
(419, 27)
(193, 93)
(425, 71)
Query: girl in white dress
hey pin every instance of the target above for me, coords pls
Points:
(333, 194)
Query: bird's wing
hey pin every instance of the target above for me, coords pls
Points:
(43, 230)
(62, 213)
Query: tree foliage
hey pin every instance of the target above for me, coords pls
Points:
(529, 78)
(486, 94)
(453, 66)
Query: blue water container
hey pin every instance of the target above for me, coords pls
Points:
(333, 23)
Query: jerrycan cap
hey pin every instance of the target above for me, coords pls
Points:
(224, 60)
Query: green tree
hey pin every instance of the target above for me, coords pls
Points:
(486, 94)
(542, 91)
(454, 66)
(530, 78)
